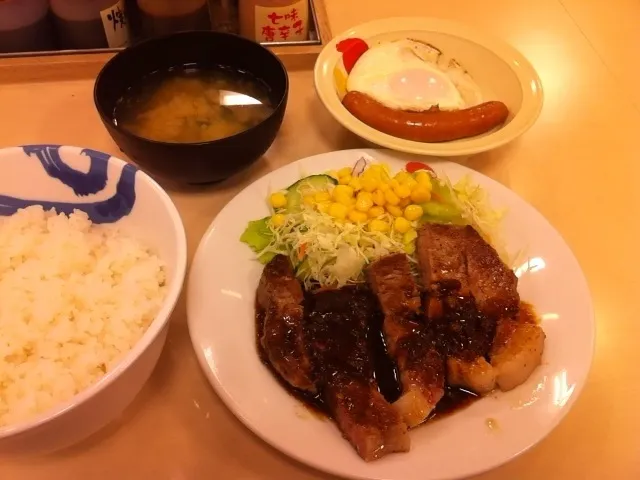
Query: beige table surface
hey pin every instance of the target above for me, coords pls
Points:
(579, 165)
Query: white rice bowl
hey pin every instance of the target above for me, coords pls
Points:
(74, 298)
(92, 262)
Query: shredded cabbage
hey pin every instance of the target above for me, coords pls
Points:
(473, 203)
(329, 252)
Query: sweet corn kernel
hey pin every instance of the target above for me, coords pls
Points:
(410, 248)
(404, 202)
(308, 200)
(394, 183)
(323, 207)
(391, 198)
(343, 172)
(421, 176)
(278, 200)
(356, 184)
(322, 197)
(401, 225)
(277, 220)
(377, 225)
(369, 184)
(346, 180)
(342, 190)
(337, 210)
(410, 182)
(357, 217)
(409, 236)
(402, 176)
(394, 210)
(384, 186)
(364, 201)
(378, 198)
(373, 174)
(413, 212)
(424, 179)
(375, 211)
(402, 191)
(420, 194)
(343, 200)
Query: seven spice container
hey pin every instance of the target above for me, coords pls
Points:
(161, 17)
(274, 20)
(84, 24)
(24, 26)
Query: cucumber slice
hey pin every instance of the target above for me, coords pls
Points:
(439, 189)
(435, 212)
(312, 183)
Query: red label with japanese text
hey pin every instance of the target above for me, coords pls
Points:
(283, 24)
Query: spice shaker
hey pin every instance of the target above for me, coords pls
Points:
(161, 17)
(83, 24)
(25, 26)
(224, 15)
(274, 20)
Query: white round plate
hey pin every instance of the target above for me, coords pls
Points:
(220, 304)
(500, 71)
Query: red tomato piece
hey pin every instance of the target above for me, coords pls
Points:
(413, 167)
(347, 43)
(352, 49)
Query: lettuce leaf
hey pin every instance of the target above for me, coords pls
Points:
(258, 236)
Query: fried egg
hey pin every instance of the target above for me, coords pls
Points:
(414, 76)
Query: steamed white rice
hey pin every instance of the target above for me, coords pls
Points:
(74, 298)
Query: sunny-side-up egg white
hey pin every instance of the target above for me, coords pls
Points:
(414, 76)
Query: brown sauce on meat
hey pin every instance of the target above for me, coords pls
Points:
(313, 402)
(528, 314)
(384, 370)
(462, 331)
(454, 399)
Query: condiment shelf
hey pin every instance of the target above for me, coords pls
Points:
(295, 54)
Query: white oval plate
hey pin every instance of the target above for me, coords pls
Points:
(220, 304)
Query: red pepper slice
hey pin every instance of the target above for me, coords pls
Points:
(413, 167)
(302, 251)
(352, 49)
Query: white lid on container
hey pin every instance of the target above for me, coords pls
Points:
(81, 10)
(16, 14)
(170, 8)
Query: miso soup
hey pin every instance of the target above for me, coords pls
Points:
(190, 105)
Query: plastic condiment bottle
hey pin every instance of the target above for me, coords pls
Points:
(274, 20)
(161, 17)
(82, 24)
(25, 26)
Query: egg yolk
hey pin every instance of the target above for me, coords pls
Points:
(418, 85)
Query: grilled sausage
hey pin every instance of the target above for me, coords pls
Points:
(433, 125)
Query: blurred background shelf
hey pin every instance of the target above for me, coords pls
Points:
(54, 33)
